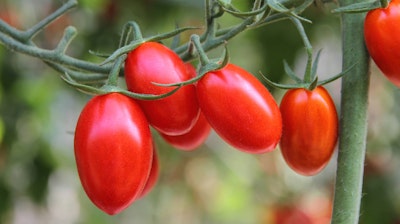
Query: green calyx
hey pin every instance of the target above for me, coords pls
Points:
(130, 39)
(206, 64)
(111, 84)
(310, 79)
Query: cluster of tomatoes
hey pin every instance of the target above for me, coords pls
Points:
(115, 154)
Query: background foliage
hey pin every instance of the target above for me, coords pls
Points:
(215, 183)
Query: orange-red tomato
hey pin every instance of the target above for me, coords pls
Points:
(113, 151)
(382, 38)
(153, 177)
(240, 109)
(310, 128)
(290, 215)
(197, 135)
(151, 63)
(193, 139)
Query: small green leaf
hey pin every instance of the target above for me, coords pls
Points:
(290, 72)
(282, 86)
(81, 87)
(337, 76)
(315, 65)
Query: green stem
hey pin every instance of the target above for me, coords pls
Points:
(53, 56)
(69, 34)
(353, 130)
(212, 43)
(307, 45)
(31, 32)
(114, 73)
(195, 40)
(130, 27)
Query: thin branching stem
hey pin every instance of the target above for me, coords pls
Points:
(31, 32)
(211, 38)
(52, 56)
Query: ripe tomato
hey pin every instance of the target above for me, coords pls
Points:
(240, 109)
(310, 128)
(153, 176)
(152, 62)
(290, 214)
(382, 38)
(113, 151)
(193, 139)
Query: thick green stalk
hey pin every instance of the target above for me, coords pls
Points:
(353, 120)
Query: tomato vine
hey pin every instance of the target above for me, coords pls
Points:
(262, 13)
(87, 76)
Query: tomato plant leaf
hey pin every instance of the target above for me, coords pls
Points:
(337, 76)
(315, 65)
(290, 72)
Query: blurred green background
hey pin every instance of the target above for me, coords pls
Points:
(213, 184)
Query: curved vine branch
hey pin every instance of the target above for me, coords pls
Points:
(263, 13)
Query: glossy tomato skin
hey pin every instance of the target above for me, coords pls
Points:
(240, 109)
(194, 138)
(153, 62)
(153, 176)
(113, 151)
(310, 128)
(382, 38)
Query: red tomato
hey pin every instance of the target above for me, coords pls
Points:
(153, 62)
(113, 151)
(290, 215)
(310, 128)
(193, 139)
(154, 173)
(240, 109)
(382, 37)
(191, 70)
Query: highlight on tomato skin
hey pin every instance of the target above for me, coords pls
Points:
(193, 139)
(240, 109)
(310, 129)
(150, 63)
(113, 151)
(382, 39)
